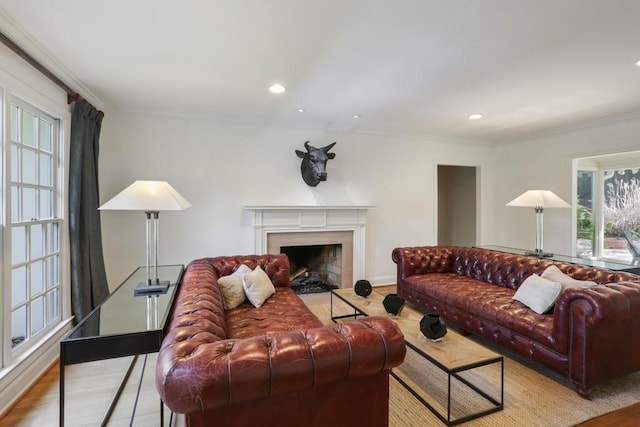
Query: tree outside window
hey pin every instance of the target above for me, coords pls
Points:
(608, 200)
(621, 211)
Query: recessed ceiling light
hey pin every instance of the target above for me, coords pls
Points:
(300, 110)
(475, 116)
(277, 88)
(638, 63)
(356, 116)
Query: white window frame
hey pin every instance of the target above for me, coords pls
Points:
(599, 164)
(596, 213)
(21, 369)
(32, 336)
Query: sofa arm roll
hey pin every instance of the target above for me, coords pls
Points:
(239, 370)
(421, 260)
(613, 302)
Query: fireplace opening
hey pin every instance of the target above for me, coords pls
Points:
(314, 268)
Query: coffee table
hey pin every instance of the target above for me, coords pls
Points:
(468, 388)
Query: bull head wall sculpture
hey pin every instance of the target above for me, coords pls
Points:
(314, 163)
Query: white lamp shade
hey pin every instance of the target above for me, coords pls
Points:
(539, 199)
(150, 196)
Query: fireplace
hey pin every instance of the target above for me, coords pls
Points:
(324, 239)
(334, 227)
(314, 268)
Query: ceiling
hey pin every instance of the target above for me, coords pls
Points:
(408, 68)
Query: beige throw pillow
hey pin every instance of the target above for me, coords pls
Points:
(538, 293)
(554, 274)
(231, 287)
(257, 286)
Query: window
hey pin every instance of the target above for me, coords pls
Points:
(608, 206)
(33, 212)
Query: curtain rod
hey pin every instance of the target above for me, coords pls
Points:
(72, 95)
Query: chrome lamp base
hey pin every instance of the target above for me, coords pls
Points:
(539, 254)
(151, 288)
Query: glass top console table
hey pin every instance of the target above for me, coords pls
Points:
(615, 266)
(123, 325)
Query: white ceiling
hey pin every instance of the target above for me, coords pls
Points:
(410, 68)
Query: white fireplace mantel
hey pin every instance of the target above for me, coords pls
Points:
(305, 207)
(268, 219)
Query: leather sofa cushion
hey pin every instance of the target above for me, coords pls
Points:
(199, 316)
(283, 312)
(490, 302)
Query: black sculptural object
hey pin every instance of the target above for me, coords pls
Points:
(393, 304)
(362, 288)
(433, 327)
(314, 163)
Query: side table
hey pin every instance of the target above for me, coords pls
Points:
(123, 325)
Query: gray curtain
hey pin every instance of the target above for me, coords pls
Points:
(88, 277)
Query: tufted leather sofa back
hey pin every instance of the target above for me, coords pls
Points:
(510, 270)
(276, 266)
(498, 268)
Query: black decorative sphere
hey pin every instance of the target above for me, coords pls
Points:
(433, 327)
(362, 288)
(393, 304)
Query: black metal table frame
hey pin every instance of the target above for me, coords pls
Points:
(90, 349)
(455, 373)
(498, 405)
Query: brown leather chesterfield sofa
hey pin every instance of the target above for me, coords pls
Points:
(276, 365)
(590, 335)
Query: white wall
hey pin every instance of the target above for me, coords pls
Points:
(220, 167)
(545, 163)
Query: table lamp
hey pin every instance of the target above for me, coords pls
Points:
(150, 197)
(539, 199)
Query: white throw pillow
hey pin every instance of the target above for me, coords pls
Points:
(231, 287)
(257, 286)
(554, 274)
(538, 293)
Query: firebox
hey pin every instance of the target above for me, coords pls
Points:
(337, 244)
(314, 268)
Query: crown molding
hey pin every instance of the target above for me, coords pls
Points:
(30, 45)
(583, 125)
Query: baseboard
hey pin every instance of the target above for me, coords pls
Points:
(384, 288)
(383, 280)
(16, 380)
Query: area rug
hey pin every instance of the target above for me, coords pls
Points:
(532, 395)
(530, 399)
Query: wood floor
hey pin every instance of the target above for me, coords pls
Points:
(91, 386)
(626, 417)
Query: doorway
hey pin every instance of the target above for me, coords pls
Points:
(457, 201)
